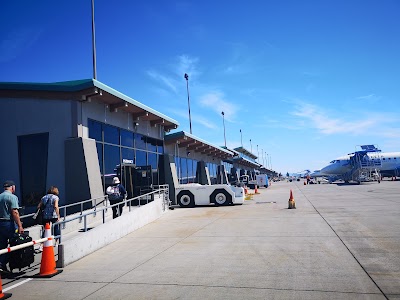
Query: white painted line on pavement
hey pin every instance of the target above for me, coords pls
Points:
(17, 284)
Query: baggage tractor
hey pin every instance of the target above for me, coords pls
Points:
(23, 257)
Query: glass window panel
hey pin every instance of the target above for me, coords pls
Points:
(128, 156)
(160, 147)
(184, 170)
(140, 141)
(141, 158)
(194, 170)
(151, 144)
(190, 170)
(111, 159)
(111, 134)
(99, 147)
(152, 159)
(95, 130)
(178, 167)
(155, 178)
(126, 138)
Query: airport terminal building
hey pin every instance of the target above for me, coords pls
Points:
(77, 135)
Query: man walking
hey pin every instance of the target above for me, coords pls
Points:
(9, 219)
(116, 194)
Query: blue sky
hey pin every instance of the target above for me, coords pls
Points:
(306, 81)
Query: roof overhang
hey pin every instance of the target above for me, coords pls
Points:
(245, 152)
(85, 91)
(245, 162)
(196, 145)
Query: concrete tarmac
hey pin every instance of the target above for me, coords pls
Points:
(342, 242)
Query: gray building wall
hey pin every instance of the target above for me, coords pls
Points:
(31, 116)
(62, 119)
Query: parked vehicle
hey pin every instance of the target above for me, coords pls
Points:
(189, 195)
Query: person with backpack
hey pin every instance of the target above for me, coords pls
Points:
(50, 210)
(116, 194)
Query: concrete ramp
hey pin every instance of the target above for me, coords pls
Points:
(85, 243)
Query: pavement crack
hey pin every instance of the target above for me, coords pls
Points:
(344, 244)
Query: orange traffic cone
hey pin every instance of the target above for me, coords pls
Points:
(3, 295)
(255, 189)
(292, 204)
(48, 263)
(245, 190)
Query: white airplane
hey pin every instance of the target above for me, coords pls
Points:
(300, 174)
(387, 163)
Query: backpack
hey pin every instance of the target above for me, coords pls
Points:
(115, 194)
(48, 208)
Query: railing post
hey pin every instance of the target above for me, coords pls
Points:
(60, 240)
(80, 219)
(104, 215)
(65, 216)
(84, 223)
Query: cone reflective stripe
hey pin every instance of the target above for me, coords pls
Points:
(47, 233)
(3, 295)
(48, 263)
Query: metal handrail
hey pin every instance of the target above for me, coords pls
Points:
(81, 203)
(161, 189)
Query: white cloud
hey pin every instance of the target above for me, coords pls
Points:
(370, 97)
(317, 118)
(215, 101)
(188, 65)
(168, 81)
(173, 78)
(391, 133)
(195, 118)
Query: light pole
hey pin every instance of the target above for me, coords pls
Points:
(258, 154)
(262, 156)
(270, 161)
(266, 158)
(223, 122)
(187, 88)
(251, 147)
(241, 140)
(94, 44)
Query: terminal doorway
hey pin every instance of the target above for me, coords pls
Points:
(137, 181)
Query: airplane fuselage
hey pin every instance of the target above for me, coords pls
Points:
(389, 165)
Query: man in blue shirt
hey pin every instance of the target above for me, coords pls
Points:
(9, 219)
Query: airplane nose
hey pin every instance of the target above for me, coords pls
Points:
(325, 170)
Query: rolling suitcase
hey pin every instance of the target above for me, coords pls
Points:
(23, 257)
